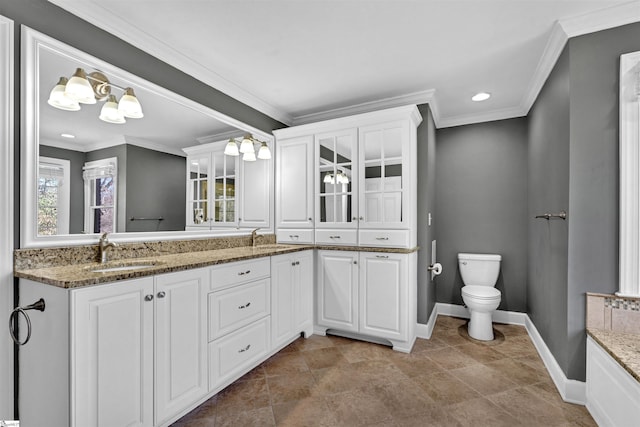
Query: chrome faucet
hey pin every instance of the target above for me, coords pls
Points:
(104, 246)
(254, 234)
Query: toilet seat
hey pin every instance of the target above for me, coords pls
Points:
(481, 292)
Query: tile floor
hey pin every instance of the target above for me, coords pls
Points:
(449, 380)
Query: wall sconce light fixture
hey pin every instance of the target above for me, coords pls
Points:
(247, 149)
(83, 88)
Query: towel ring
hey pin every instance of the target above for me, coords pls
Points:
(13, 320)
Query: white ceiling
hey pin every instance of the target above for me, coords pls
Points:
(307, 60)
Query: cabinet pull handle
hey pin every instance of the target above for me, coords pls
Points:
(382, 238)
(355, 218)
(242, 350)
(148, 297)
(334, 237)
(244, 306)
(242, 273)
(297, 262)
(355, 262)
(361, 218)
(161, 294)
(293, 236)
(293, 263)
(382, 256)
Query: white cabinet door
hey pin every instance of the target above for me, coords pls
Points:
(384, 172)
(255, 196)
(384, 295)
(181, 341)
(337, 293)
(292, 296)
(294, 183)
(282, 299)
(303, 306)
(112, 354)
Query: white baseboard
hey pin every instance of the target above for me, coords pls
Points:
(572, 391)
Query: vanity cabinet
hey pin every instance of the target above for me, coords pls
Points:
(224, 191)
(364, 179)
(294, 190)
(239, 319)
(292, 296)
(134, 351)
(368, 293)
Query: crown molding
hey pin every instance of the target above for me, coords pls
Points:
(485, 116)
(610, 17)
(223, 136)
(416, 98)
(97, 15)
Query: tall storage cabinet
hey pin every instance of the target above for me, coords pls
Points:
(364, 179)
(294, 190)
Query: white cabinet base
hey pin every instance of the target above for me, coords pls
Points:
(613, 395)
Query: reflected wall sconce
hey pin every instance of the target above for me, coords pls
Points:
(340, 178)
(83, 88)
(247, 149)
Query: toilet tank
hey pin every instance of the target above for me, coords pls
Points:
(479, 269)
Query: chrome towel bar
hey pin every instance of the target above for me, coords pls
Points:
(548, 216)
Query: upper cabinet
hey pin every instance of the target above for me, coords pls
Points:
(225, 191)
(364, 173)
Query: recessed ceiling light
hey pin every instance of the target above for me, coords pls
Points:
(481, 96)
(67, 135)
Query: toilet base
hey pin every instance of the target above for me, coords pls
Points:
(480, 326)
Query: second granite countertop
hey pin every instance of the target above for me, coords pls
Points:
(623, 347)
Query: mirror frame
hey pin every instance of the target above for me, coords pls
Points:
(32, 43)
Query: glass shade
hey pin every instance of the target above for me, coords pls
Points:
(264, 153)
(59, 99)
(247, 145)
(129, 105)
(110, 112)
(79, 88)
(231, 149)
(328, 178)
(249, 156)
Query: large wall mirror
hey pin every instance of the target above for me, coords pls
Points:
(87, 169)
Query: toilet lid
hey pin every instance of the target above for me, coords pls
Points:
(481, 292)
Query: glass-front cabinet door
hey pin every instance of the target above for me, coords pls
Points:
(383, 168)
(212, 190)
(337, 179)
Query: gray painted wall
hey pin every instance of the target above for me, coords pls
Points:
(481, 205)
(426, 203)
(549, 192)
(155, 188)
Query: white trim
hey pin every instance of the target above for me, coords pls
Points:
(484, 116)
(417, 98)
(6, 213)
(610, 17)
(552, 51)
(629, 268)
(572, 391)
(103, 18)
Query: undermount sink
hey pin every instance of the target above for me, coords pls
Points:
(122, 266)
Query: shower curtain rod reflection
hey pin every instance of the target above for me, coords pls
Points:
(548, 216)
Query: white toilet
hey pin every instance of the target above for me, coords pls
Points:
(479, 273)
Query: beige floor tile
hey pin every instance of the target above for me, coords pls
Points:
(402, 399)
(422, 345)
(314, 342)
(483, 379)
(529, 408)
(284, 364)
(510, 330)
(285, 388)
(308, 412)
(323, 358)
(337, 379)
(243, 395)
(435, 415)
(361, 351)
(449, 322)
(451, 358)
(357, 408)
(518, 372)
(450, 336)
(481, 412)
(262, 417)
(443, 388)
(413, 366)
(480, 353)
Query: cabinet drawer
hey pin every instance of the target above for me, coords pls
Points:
(231, 355)
(386, 238)
(226, 275)
(337, 237)
(236, 307)
(294, 236)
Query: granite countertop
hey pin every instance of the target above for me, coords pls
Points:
(79, 275)
(623, 347)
